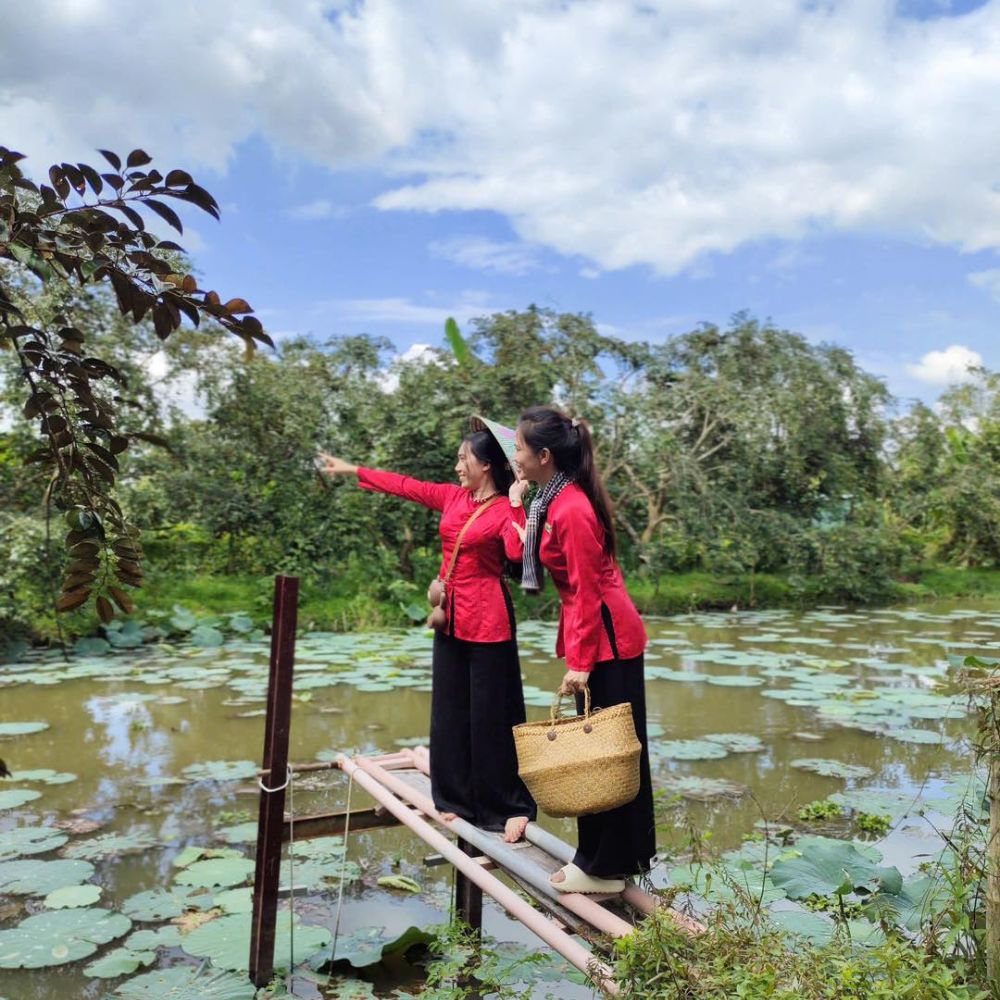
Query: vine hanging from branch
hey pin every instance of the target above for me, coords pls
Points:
(86, 226)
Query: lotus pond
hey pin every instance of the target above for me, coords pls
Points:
(127, 827)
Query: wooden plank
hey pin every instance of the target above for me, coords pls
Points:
(271, 813)
(333, 823)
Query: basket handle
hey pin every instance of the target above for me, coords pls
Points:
(556, 709)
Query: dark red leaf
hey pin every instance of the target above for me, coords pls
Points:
(165, 212)
(138, 158)
(113, 158)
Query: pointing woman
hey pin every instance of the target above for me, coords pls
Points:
(476, 689)
(601, 636)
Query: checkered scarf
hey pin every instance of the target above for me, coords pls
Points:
(532, 574)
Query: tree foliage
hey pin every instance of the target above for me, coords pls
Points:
(84, 228)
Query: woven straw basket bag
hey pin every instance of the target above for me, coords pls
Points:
(580, 764)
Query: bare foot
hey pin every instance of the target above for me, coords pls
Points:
(448, 817)
(514, 829)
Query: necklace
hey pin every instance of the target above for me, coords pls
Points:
(489, 496)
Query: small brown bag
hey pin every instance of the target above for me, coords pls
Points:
(437, 592)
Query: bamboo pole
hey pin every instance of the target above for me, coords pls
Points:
(637, 898)
(555, 938)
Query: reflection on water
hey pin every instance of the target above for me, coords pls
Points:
(870, 691)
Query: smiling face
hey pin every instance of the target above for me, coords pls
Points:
(472, 474)
(535, 466)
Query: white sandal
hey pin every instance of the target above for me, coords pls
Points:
(575, 879)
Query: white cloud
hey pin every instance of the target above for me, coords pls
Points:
(483, 254)
(416, 354)
(989, 281)
(313, 211)
(624, 133)
(946, 367)
(403, 310)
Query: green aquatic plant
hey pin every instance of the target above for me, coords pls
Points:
(873, 823)
(818, 811)
(58, 937)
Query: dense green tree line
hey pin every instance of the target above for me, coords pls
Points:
(742, 450)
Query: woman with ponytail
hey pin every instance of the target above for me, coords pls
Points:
(476, 694)
(570, 533)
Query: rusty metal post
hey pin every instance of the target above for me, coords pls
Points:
(271, 815)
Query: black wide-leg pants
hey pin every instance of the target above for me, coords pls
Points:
(622, 841)
(476, 698)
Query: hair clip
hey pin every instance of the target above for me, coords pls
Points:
(575, 422)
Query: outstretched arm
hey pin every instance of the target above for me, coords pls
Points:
(433, 495)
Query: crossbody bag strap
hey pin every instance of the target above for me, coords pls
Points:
(465, 527)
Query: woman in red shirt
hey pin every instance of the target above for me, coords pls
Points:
(601, 636)
(476, 694)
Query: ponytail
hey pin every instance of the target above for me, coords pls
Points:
(572, 449)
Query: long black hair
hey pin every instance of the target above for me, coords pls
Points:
(572, 450)
(485, 447)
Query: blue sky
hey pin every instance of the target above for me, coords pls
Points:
(833, 166)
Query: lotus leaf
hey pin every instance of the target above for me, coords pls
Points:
(216, 872)
(221, 770)
(814, 927)
(242, 833)
(703, 789)
(689, 750)
(168, 936)
(234, 900)
(206, 636)
(825, 869)
(371, 944)
(120, 962)
(226, 941)
(154, 905)
(915, 736)
(39, 878)
(832, 768)
(736, 742)
(910, 905)
(182, 982)
(735, 680)
(402, 882)
(58, 937)
(30, 840)
(70, 896)
(727, 882)
(21, 728)
(110, 844)
(46, 776)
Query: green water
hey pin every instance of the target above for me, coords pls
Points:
(128, 724)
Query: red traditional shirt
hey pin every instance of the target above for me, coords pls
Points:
(479, 605)
(595, 603)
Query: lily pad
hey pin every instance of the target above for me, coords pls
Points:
(12, 798)
(216, 872)
(832, 768)
(689, 750)
(825, 869)
(154, 905)
(110, 845)
(814, 927)
(120, 962)
(61, 936)
(221, 770)
(182, 982)
(735, 680)
(703, 789)
(25, 840)
(71, 896)
(46, 776)
(21, 728)
(369, 945)
(913, 735)
(167, 936)
(206, 636)
(226, 941)
(915, 903)
(39, 878)
(242, 833)
(737, 742)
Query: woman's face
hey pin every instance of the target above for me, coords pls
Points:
(472, 474)
(526, 460)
